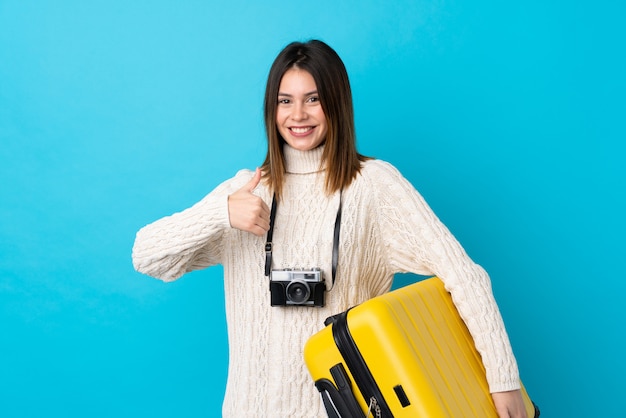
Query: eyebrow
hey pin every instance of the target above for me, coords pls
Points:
(306, 94)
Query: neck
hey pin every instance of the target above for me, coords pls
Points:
(303, 162)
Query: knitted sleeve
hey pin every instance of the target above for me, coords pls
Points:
(188, 240)
(417, 241)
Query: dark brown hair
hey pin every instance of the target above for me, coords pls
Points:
(341, 159)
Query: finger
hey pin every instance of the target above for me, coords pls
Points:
(260, 229)
(264, 224)
(254, 182)
(261, 218)
(265, 211)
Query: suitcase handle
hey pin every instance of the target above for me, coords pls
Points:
(338, 398)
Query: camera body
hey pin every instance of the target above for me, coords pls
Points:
(297, 287)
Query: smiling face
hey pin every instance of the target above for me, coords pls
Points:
(300, 118)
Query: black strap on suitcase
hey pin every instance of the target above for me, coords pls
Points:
(357, 366)
(338, 397)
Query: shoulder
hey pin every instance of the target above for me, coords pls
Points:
(380, 171)
(384, 181)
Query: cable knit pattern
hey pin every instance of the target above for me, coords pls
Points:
(386, 228)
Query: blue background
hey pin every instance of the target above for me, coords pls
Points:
(508, 117)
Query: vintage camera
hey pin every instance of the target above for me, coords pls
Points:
(297, 287)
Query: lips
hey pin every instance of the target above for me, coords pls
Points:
(301, 130)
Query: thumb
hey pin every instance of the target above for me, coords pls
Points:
(251, 185)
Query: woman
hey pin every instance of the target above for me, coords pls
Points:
(386, 227)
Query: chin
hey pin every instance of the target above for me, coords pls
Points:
(304, 145)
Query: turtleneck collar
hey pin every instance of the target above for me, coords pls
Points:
(303, 162)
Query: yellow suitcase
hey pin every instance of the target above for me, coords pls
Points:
(407, 354)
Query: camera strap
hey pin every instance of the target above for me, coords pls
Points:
(268, 244)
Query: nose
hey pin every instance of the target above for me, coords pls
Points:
(299, 112)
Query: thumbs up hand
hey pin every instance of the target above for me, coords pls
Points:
(247, 211)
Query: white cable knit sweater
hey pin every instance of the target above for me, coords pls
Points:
(386, 228)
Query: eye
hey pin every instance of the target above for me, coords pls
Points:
(283, 101)
(313, 99)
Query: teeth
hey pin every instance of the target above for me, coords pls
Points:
(301, 130)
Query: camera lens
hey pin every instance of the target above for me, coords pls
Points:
(298, 291)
